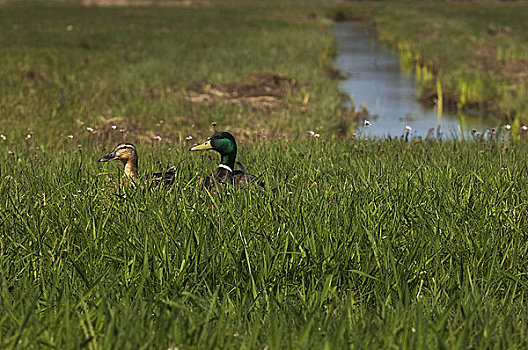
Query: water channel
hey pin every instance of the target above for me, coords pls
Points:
(375, 79)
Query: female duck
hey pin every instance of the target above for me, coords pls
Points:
(224, 143)
(127, 154)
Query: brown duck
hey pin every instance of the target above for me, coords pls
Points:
(127, 154)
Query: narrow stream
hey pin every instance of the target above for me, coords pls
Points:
(375, 79)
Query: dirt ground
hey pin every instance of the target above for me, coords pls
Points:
(133, 3)
(257, 90)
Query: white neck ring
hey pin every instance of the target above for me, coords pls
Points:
(225, 167)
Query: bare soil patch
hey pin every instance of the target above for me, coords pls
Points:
(143, 3)
(257, 90)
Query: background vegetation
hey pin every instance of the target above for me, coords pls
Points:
(352, 243)
(65, 68)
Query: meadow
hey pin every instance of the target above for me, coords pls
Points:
(65, 68)
(352, 243)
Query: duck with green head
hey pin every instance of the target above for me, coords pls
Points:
(127, 154)
(225, 144)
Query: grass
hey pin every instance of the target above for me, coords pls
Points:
(65, 68)
(351, 244)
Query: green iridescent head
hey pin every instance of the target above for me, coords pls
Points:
(222, 142)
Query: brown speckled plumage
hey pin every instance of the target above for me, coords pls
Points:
(127, 154)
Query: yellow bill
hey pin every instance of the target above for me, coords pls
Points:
(204, 146)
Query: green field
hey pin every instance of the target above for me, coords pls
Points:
(351, 243)
(65, 68)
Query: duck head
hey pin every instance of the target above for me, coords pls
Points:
(127, 154)
(223, 143)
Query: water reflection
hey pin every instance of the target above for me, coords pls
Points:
(376, 80)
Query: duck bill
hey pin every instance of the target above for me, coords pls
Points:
(108, 158)
(204, 146)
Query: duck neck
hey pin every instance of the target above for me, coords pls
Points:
(229, 159)
(131, 169)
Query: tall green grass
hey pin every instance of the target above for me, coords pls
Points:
(350, 244)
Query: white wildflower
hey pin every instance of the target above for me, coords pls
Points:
(367, 123)
(69, 28)
(28, 136)
(316, 135)
(524, 127)
(90, 129)
(311, 132)
(114, 127)
(507, 126)
(70, 137)
(408, 128)
(3, 137)
(158, 138)
(189, 137)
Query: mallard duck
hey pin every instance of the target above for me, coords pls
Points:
(225, 144)
(127, 154)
